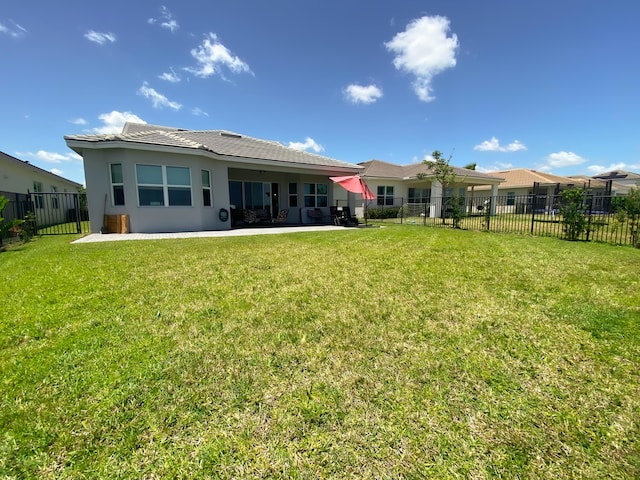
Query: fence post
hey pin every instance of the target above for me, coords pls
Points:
(76, 207)
(589, 216)
(534, 204)
(488, 213)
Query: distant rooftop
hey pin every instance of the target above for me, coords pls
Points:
(382, 169)
(617, 175)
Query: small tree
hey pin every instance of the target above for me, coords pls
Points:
(574, 221)
(628, 209)
(442, 171)
(633, 210)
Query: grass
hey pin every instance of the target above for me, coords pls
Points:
(64, 228)
(375, 353)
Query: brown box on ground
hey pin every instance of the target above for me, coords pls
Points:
(117, 223)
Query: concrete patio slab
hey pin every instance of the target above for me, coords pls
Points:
(114, 237)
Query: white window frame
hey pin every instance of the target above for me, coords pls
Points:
(39, 199)
(424, 195)
(116, 184)
(55, 203)
(206, 188)
(165, 186)
(386, 198)
(293, 194)
(315, 195)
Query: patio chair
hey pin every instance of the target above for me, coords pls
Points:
(282, 216)
(249, 216)
(347, 219)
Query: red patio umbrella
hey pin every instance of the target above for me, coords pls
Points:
(355, 184)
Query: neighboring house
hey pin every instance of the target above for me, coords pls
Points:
(19, 178)
(169, 180)
(515, 193)
(396, 185)
(621, 181)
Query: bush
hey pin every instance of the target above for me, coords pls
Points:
(379, 213)
(574, 221)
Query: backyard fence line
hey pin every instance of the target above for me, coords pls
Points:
(42, 213)
(538, 215)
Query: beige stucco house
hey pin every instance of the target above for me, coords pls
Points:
(396, 185)
(48, 191)
(515, 193)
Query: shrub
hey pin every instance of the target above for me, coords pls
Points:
(574, 221)
(377, 213)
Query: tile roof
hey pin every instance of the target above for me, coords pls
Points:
(219, 142)
(523, 177)
(382, 169)
(617, 175)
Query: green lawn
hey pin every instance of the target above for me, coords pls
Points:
(395, 352)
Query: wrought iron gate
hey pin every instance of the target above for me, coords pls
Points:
(58, 213)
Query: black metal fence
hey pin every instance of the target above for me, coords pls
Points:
(45, 214)
(539, 215)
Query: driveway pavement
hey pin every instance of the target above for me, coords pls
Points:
(114, 237)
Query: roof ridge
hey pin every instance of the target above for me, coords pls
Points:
(176, 135)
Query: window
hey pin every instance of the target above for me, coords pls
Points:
(235, 194)
(250, 195)
(293, 194)
(159, 185)
(511, 198)
(117, 185)
(179, 186)
(316, 195)
(206, 188)
(385, 195)
(54, 198)
(419, 195)
(39, 199)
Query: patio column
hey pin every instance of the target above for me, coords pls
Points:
(436, 199)
(494, 198)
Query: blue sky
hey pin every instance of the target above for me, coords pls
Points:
(552, 85)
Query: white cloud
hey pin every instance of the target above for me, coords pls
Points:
(114, 121)
(16, 31)
(170, 76)
(157, 99)
(493, 145)
(212, 55)
(362, 94)
(166, 20)
(564, 159)
(198, 112)
(55, 171)
(78, 121)
(100, 37)
(494, 167)
(595, 169)
(51, 157)
(309, 143)
(424, 50)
